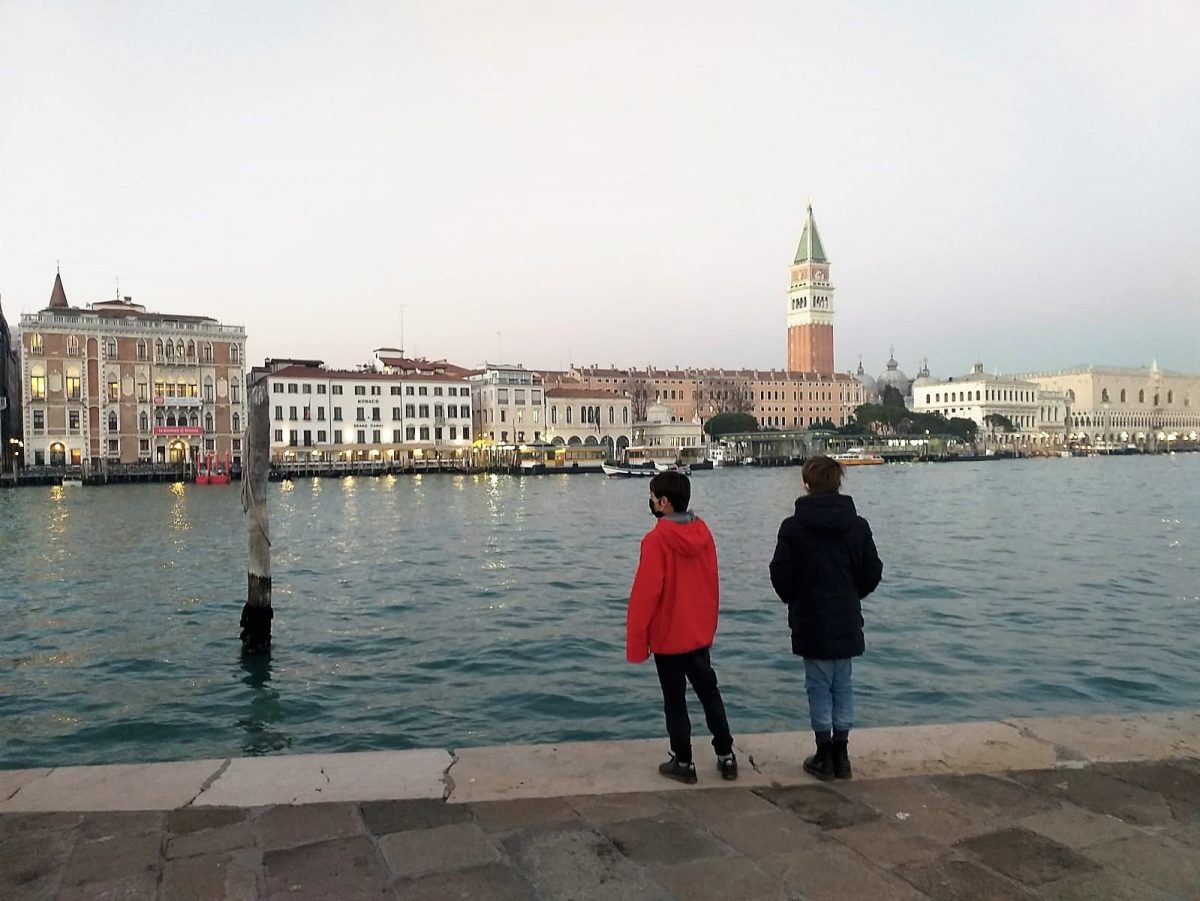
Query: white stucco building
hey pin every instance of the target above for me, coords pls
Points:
(1039, 416)
(579, 415)
(509, 405)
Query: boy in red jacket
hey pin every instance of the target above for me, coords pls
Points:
(673, 615)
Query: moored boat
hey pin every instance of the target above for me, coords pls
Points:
(856, 456)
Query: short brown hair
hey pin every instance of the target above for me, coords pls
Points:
(822, 475)
(675, 487)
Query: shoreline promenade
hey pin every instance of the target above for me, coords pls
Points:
(1102, 807)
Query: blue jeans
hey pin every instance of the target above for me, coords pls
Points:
(830, 694)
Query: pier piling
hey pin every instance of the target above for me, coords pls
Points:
(257, 612)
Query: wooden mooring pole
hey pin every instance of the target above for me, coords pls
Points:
(257, 613)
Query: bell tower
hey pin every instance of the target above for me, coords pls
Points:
(810, 305)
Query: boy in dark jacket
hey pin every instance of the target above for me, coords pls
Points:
(673, 615)
(825, 563)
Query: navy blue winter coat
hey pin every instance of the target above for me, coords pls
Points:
(825, 563)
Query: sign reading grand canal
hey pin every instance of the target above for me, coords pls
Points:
(178, 430)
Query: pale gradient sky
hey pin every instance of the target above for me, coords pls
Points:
(615, 182)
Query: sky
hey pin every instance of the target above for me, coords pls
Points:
(607, 182)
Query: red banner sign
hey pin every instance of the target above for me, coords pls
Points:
(178, 430)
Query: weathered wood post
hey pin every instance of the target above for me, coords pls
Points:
(257, 613)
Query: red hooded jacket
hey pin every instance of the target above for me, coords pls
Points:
(673, 602)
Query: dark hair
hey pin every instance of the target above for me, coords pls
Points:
(675, 487)
(822, 475)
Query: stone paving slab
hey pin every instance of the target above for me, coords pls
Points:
(152, 786)
(322, 778)
(1102, 739)
(1011, 836)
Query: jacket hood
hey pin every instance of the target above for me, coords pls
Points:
(685, 533)
(826, 512)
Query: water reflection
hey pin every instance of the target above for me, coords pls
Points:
(262, 734)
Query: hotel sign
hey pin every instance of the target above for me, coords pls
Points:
(190, 430)
(160, 401)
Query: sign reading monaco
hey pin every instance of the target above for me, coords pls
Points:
(190, 430)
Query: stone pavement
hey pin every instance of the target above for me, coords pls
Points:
(1096, 831)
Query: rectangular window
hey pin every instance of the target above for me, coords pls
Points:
(320, 414)
(337, 414)
(464, 392)
(307, 438)
(437, 391)
(438, 411)
(395, 412)
(208, 392)
(452, 391)
(143, 394)
(362, 436)
(424, 408)
(453, 433)
(39, 420)
(395, 390)
(320, 389)
(395, 436)
(437, 433)
(502, 395)
(279, 412)
(519, 396)
(375, 417)
(322, 436)
(466, 433)
(293, 388)
(408, 390)
(73, 420)
(292, 413)
(360, 390)
(410, 410)
(114, 391)
(424, 433)
(73, 387)
(376, 390)
(375, 436)
(37, 387)
(423, 391)
(410, 433)
(337, 436)
(279, 436)
(361, 415)
(336, 389)
(536, 396)
(276, 388)
(503, 415)
(464, 412)
(144, 446)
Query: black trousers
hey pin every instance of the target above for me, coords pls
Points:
(674, 672)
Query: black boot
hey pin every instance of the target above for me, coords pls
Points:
(841, 759)
(820, 764)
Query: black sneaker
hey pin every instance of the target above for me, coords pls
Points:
(727, 765)
(680, 772)
(820, 764)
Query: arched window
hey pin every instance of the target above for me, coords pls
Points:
(158, 419)
(237, 423)
(191, 349)
(193, 420)
(625, 416)
(73, 345)
(208, 423)
(208, 388)
(112, 420)
(583, 415)
(208, 353)
(141, 349)
(1156, 399)
(171, 419)
(1122, 395)
(612, 416)
(1170, 397)
(111, 347)
(143, 422)
(554, 414)
(235, 394)
(170, 350)
(235, 353)
(35, 343)
(1104, 395)
(568, 414)
(158, 348)
(1141, 395)
(179, 347)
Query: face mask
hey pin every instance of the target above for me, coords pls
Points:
(657, 513)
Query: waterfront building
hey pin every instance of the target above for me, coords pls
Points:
(576, 415)
(660, 430)
(1112, 405)
(509, 406)
(327, 416)
(112, 384)
(10, 399)
(777, 398)
(1038, 416)
(893, 377)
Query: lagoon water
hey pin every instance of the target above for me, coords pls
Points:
(454, 611)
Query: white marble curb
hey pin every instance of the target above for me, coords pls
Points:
(589, 768)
